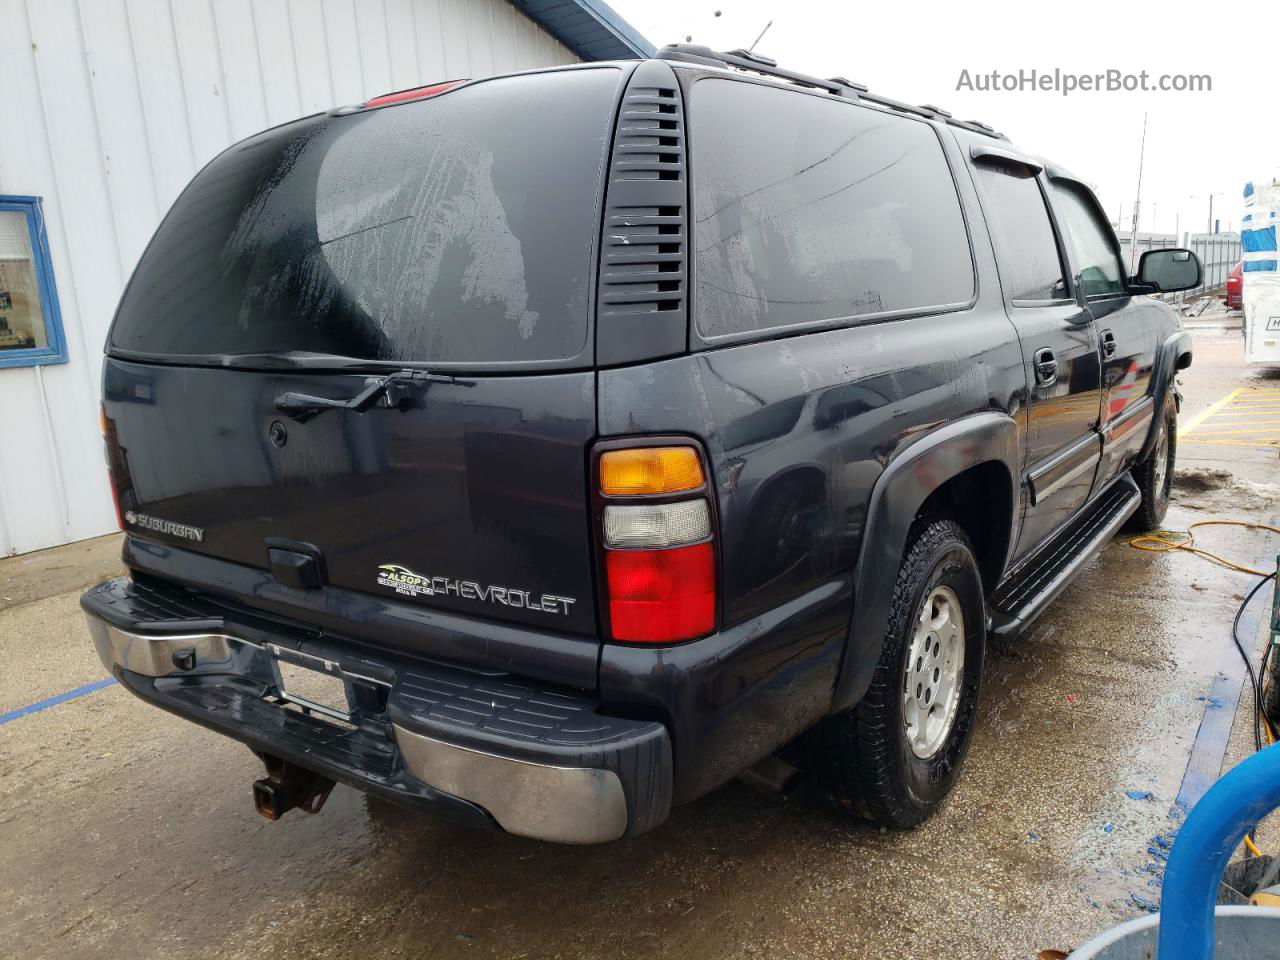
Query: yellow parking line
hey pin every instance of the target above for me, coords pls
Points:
(1207, 412)
(1246, 422)
(1214, 432)
(1245, 417)
(1232, 443)
(1215, 425)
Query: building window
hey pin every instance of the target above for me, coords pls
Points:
(30, 324)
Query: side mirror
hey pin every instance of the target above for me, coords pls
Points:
(1168, 271)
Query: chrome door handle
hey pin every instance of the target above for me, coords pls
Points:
(1108, 344)
(1046, 367)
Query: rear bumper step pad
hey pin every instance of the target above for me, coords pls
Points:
(540, 761)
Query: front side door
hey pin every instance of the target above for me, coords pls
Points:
(1127, 335)
(1059, 346)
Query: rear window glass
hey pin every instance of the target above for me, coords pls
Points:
(455, 229)
(808, 209)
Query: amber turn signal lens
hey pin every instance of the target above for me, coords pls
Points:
(628, 473)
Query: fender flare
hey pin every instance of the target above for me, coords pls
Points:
(895, 500)
(1174, 355)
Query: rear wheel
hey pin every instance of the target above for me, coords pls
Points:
(897, 754)
(1154, 476)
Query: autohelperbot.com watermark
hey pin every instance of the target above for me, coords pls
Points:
(1066, 82)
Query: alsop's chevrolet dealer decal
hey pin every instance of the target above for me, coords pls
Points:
(404, 581)
(156, 525)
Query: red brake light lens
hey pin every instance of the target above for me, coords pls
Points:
(417, 93)
(661, 596)
(109, 447)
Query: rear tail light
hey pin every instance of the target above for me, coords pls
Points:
(109, 443)
(657, 525)
(650, 470)
(661, 596)
(657, 534)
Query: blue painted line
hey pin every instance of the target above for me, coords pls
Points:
(1210, 747)
(55, 700)
(1209, 750)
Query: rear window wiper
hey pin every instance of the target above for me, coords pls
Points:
(392, 391)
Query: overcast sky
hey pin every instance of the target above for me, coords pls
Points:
(915, 50)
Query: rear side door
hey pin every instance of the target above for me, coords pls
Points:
(1127, 336)
(1058, 339)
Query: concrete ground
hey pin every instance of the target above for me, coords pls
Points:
(127, 832)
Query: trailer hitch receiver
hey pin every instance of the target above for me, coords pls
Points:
(286, 786)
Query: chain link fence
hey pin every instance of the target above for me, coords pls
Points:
(1218, 253)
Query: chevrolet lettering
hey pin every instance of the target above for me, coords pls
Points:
(403, 580)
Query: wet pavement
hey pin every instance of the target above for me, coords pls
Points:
(127, 832)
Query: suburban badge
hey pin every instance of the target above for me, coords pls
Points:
(145, 522)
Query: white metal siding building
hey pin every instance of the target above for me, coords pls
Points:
(111, 106)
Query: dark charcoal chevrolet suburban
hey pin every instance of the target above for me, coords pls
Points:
(547, 450)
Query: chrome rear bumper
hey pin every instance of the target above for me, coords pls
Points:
(562, 804)
(528, 784)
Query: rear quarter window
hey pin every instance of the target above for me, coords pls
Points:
(809, 210)
(458, 229)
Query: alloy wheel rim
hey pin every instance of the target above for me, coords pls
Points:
(1162, 459)
(931, 678)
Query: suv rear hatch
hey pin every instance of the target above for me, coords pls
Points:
(446, 244)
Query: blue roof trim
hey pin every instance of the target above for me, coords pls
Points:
(590, 28)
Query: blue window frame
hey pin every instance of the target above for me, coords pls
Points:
(30, 321)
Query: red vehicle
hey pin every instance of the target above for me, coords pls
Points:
(1235, 288)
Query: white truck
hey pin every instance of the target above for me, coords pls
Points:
(1261, 293)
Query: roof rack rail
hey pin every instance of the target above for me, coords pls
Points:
(768, 67)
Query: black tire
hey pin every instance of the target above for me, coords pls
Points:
(861, 758)
(1155, 485)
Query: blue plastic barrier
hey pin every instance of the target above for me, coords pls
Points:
(1212, 832)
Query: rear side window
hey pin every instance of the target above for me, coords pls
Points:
(1030, 268)
(1091, 244)
(455, 229)
(809, 209)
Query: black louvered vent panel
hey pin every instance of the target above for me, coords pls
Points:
(642, 303)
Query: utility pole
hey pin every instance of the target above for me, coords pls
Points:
(1179, 242)
(1137, 200)
(1209, 228)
